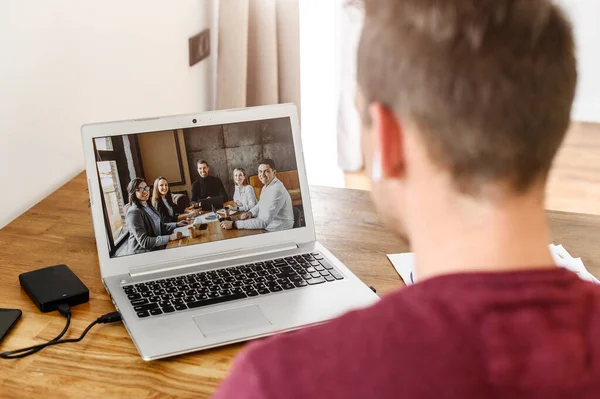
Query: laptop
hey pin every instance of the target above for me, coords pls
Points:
(216, 286)
(212, 203)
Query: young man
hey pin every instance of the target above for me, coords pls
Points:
(274, 209)
(207, 186)
(464, 104)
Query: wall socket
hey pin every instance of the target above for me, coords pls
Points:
(199, 46)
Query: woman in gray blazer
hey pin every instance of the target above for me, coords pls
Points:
(147, 229)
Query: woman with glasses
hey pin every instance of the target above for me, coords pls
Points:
(162, 201)
(147, 229)
(244, 196)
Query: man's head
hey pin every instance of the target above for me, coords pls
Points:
(203, 168)
(471, 94)
(266, 171)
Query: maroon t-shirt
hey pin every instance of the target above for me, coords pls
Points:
(529, 334)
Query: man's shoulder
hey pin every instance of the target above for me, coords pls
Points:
(371, 333)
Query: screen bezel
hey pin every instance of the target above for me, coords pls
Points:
(121, 265)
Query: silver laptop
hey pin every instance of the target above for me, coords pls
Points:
(210, 285)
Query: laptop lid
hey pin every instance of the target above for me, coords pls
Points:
(171, 147)
(209, 204)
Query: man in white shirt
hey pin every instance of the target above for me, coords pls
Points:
(274, 209)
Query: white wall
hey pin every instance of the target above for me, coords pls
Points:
(68, 62)
(585, 15)
(319, 91)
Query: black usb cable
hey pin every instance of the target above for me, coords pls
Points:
(65, 310)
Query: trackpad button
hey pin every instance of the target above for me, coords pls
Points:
(246, 317)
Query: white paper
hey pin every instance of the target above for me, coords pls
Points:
(404, 264)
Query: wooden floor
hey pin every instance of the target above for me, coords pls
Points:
(574, 184)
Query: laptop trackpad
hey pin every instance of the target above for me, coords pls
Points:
(245, 317)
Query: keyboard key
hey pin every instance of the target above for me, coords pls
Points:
(301, 284)
(213, 294)
(324, 273)
(319, 268)
(251, 293)
(233, 291)
(155, 312)
(139, 302)
(143, 313)
(264, 291)
(149, 306)
(315, 274)
(177, 301)
(329, 278)
(215, 301)
(168, 309)
(337, 275)
(288, 286)
(318, 257)
(326, 264)
(180, 307)
(315, 281)
(276, 288)
(310, 270)
(306, 276)
(189, 299)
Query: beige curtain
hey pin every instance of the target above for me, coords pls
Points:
(259, 53)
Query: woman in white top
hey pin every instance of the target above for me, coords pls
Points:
(244, 196)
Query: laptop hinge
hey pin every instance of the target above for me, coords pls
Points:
(205, 260)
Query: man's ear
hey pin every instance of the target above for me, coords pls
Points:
(387, 142)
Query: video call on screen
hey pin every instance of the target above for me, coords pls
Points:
(176, 188)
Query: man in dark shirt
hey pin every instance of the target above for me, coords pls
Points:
(207, 186)
(464, 104)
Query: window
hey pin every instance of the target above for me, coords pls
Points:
(113, 198)
(104, 144)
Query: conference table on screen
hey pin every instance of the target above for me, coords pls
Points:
(211, 229)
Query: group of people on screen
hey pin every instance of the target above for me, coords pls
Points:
(152, 216)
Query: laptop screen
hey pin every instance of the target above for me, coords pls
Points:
(176, 188)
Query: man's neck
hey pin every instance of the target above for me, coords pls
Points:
(475, 236)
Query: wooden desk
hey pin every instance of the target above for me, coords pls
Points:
(105, 364)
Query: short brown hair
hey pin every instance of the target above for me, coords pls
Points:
(200, 162)
(489, 83)
(268, 161)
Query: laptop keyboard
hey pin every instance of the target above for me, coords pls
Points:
(191, 291)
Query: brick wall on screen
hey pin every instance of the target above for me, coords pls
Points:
(226, 147)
